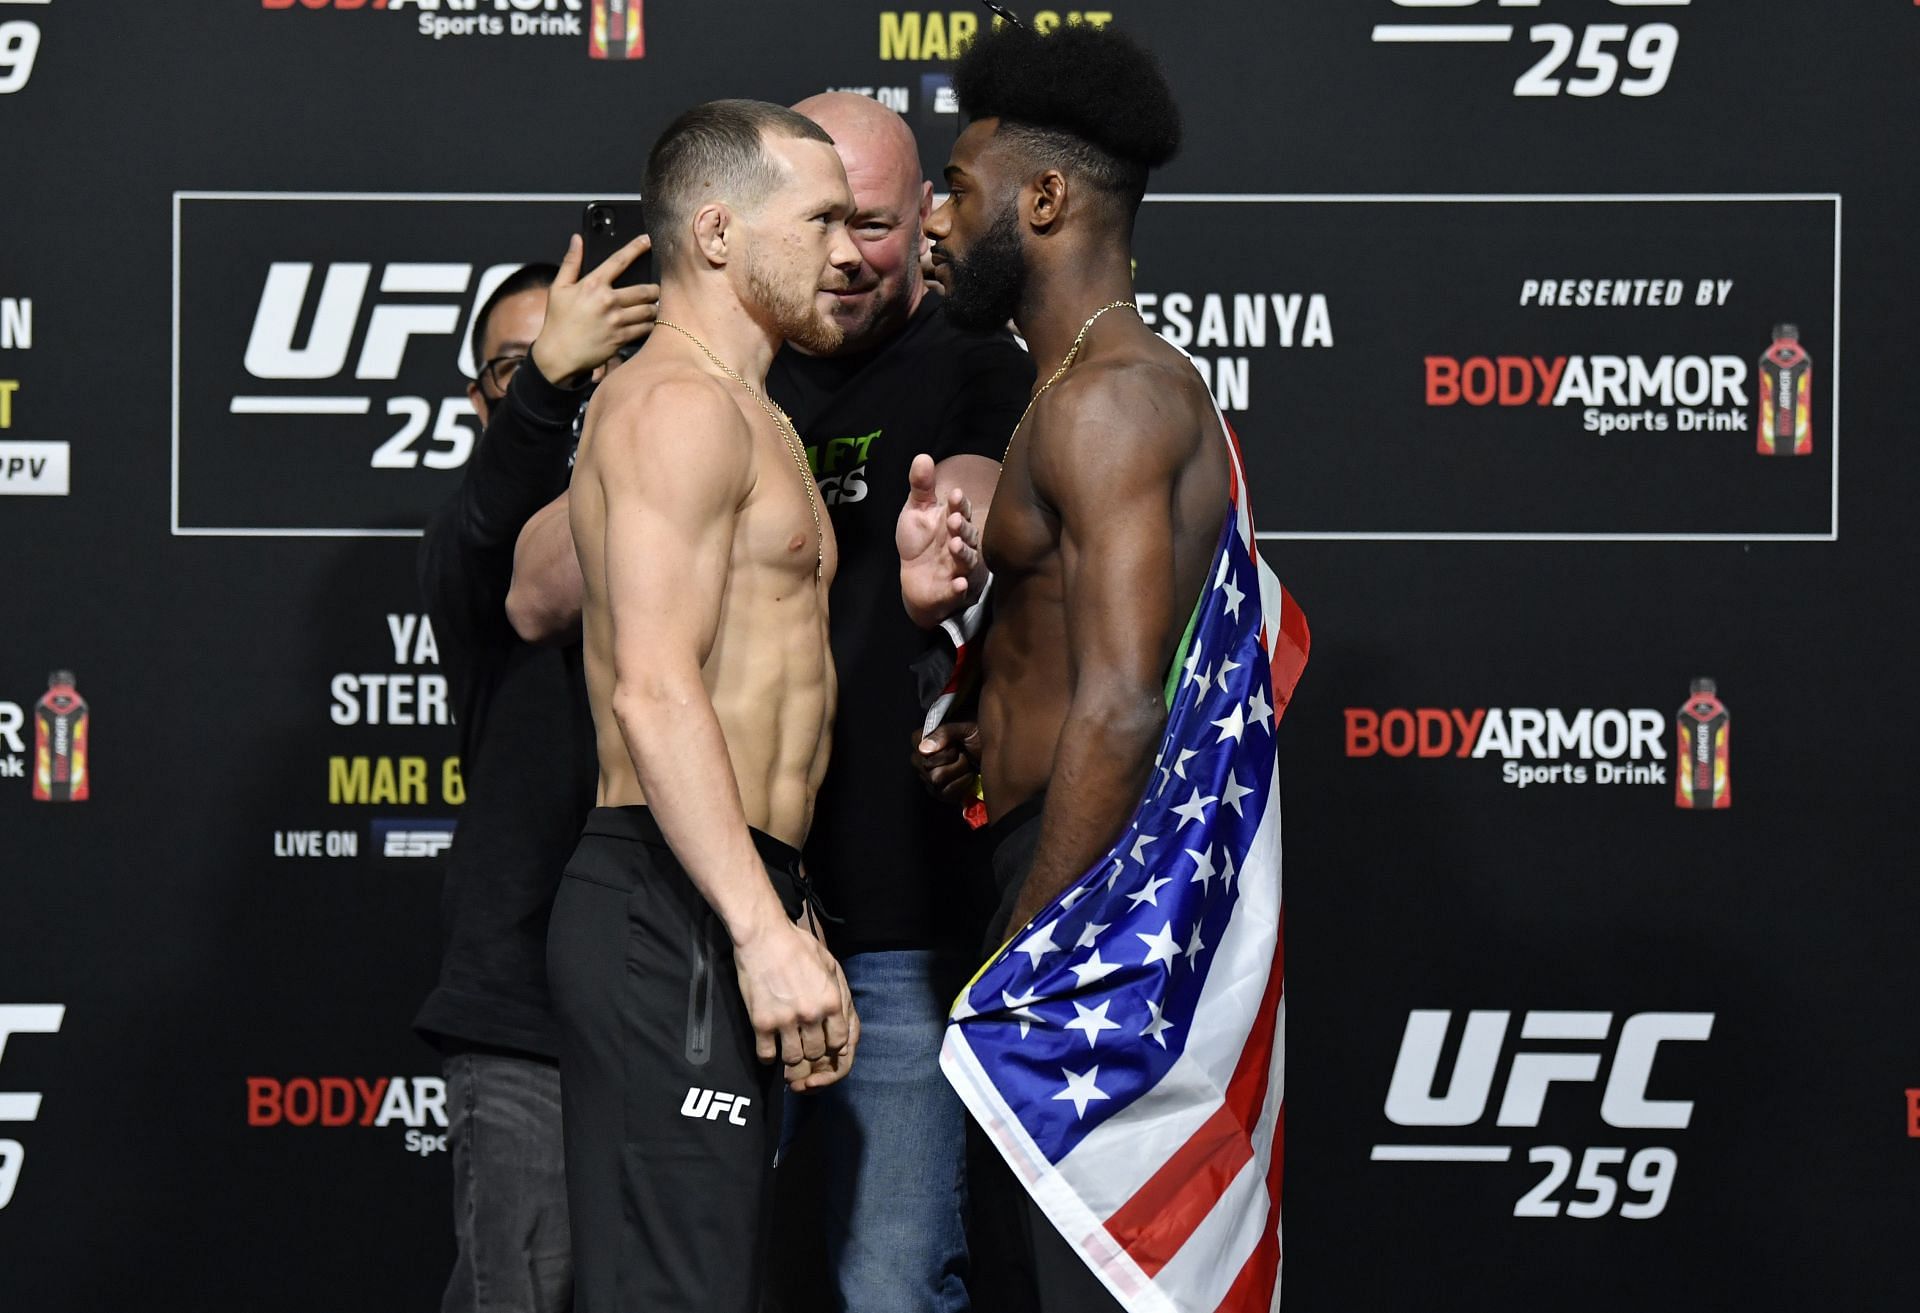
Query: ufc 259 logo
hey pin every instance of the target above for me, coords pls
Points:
(19, 51)
(21, 1019)
(399, 316)
(1594, 60)
(1609, 1180)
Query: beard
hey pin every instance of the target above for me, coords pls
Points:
(796, 317)
(984, 289)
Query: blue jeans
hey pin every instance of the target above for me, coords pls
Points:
(509, 1187)
(893, 1141)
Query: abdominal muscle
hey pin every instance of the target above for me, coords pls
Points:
(1023, 703)
(771, 680)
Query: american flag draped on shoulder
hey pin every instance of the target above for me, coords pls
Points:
(1124, 1049)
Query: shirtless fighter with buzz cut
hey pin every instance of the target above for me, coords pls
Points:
(1113, 492)
(684, 962)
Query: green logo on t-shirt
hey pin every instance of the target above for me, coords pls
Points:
(839, 453)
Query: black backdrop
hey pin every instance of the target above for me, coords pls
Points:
(230, 559)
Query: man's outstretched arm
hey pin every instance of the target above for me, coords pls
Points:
(670, 517)
(543, 605)
(1107, 467)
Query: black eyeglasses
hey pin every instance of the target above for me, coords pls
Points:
(500, 370)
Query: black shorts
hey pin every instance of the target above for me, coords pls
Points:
(670, 1119)
(1013, 838)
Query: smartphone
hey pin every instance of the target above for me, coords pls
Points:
(605, 227)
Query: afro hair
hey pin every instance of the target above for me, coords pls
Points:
(1090, 98)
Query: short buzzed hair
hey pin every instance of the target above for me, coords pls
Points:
(715, 151)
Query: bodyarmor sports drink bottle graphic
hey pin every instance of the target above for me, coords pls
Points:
(1701, 765)
(616, 31)
(1786, 396)
(60, 742)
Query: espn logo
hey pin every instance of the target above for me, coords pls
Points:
(413, 838)
(707, 1105)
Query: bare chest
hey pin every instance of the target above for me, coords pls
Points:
(1022, 536)
(783, 528)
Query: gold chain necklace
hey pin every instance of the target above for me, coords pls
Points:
(1072, 352)
(794, 446)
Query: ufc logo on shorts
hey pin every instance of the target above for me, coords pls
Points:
(707, 1105)
(1411, 1100)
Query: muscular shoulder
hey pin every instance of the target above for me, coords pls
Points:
(673, 430)
(1126, 417)
(647, 403)
(670, 413)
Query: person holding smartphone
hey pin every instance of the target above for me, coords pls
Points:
(526, 748)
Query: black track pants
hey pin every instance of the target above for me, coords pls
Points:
(670, 1119)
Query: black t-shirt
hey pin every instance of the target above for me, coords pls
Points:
(897, 866)
(526, 737)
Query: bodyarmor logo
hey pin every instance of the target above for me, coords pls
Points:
(418, 1103)
(13, 747)
(1607, 745)
(1617, 394)
(708, 1105)
(1586, 381)
(492, 18)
